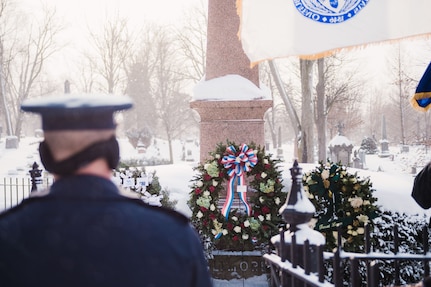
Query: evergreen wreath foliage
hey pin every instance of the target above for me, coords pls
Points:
(343, 201)
(238, 231)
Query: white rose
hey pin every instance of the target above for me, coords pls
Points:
(362, 218)
(206, 193)
(356, 202)
(263, 175)
(261, 218)
(325, 174)
(354, 233)
(200, 183)
(268, 217)
(234, 218)
(361, 230)
(224, 231)
(212, 207)
(265, 161)
(244, 236)
(217, 156)
(213, 231)
(261, 199)
(277, 200)
(199, 214)
(206, 166)
(237, 229)
(246, 223)
(215, 182)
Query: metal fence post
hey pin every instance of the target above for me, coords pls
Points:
(35, 175)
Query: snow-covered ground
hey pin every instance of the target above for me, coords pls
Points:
(392, 177)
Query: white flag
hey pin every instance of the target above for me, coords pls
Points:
(310, 29)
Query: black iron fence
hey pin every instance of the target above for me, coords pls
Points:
(14, 190)
(302, 264)
(308, 268)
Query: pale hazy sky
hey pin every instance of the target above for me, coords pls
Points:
(78, 16)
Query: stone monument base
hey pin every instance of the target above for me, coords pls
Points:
(236, 121)
(234, 265)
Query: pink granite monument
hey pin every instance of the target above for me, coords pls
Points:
(229, 101)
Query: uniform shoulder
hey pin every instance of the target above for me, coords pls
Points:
(164, 210)
(7, 212)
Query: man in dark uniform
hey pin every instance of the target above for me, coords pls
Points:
(82, 232)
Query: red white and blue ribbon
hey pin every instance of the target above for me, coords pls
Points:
(238, 164)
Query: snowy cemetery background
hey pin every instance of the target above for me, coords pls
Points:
(391, 177)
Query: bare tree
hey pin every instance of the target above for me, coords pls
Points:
(172, 105)
(192, 38)
(307, 115)
(111, 49)
(23, 56)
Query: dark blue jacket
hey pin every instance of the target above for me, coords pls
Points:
(84, 233)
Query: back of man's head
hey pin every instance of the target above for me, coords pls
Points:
(78, 129)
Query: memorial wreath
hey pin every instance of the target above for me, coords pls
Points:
(251, 175)
(343, 201)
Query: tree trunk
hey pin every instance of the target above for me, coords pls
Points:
(307, 116)
(321, 111)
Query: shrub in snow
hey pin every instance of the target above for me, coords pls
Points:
(369, 145)
(147, 186)
(410, 233)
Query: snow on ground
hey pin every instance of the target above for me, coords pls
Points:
(392, 177)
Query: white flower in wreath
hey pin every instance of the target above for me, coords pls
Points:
(361, 230)
(245, 236)
(199, 214)
(212, 207)
(246, 223)
(217, 156)
(261, 218)
(215, 182)
(225, 232)
(363, 218)
(325, 174)
(367, 202)
(234, 218)
(265, 161)
(277, 200)
(268, 217)
(206, 193)
(261, 199)
(237, 229)
(199, 183)
(356, 202)
(263, 174)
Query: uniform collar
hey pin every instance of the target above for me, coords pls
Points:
(84, 186)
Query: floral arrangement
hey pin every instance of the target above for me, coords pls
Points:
(343, 201)
(145, 185)
(251, 175)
